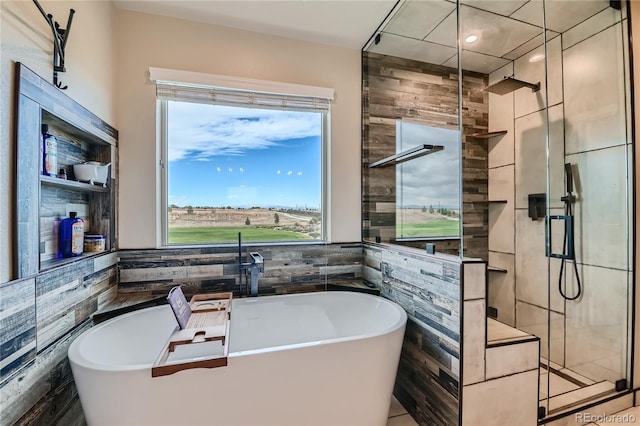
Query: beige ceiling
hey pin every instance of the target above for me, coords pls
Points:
(345, 23)
(423, 30)
(506, 29)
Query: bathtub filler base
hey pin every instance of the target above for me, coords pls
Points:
(206, 318)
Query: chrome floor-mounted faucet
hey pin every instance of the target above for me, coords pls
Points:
(255, 267)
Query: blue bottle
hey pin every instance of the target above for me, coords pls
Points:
(72, 236)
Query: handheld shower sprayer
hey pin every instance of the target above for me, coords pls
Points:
(569, 177)
(568, 200)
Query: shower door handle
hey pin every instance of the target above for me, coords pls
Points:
(568, 237)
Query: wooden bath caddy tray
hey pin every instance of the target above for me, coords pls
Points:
(206, 318)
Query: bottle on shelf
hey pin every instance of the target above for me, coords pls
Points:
(49, 152)
(72, 235)
(56, 236)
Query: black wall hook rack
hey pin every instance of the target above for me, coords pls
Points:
(60, 36)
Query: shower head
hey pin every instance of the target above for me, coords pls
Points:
(569, 177)
(509, 84)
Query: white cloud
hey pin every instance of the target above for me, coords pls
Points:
(278, 172)
(230, 170)
(201, 131)
(241, 170)
(218, 169)
(289, 173)
(299, 173)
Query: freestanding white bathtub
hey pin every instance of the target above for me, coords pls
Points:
(325, 358)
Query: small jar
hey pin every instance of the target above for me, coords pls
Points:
(94, 243)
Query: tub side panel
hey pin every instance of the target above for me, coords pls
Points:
(428, 288)
(340, 383)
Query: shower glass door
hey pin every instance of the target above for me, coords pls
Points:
(555, 75)
(589, 202)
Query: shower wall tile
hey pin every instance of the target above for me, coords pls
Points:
(501, 183)
(501, 148)
(501, 215)
(474, 338)
(507, 401)
(531, 162)
(601, 218)
(501, 227)
(511, 359)
(531, 262)
(535, 320)
(527, 101)
(591, 26)
(501, 293)
(475, 284)
(597, 323)
(595, 92)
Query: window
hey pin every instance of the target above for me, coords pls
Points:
(237, 161)
(428, 188)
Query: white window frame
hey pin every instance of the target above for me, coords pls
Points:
(268, 91)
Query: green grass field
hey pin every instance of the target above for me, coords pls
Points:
(207, 235)
(436, 228)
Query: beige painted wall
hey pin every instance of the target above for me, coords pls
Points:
(145, 41)
(25, 37)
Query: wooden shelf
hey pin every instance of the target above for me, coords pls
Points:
(64, 183)
(489, 135)
(496, 269)
(489, 201)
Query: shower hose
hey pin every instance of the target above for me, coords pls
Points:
(568, 211)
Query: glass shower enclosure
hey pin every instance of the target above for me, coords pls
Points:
(534, 100)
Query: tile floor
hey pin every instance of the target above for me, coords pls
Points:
(398, 416)
(629, 416)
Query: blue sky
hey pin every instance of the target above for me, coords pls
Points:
(242, 157)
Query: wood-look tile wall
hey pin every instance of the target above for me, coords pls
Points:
(39, 317)
(395, 88)
(429, 289)
(287, 268)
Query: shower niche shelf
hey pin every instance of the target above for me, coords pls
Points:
(410, 154)
(489, 135)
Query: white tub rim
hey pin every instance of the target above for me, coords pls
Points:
(77, 358)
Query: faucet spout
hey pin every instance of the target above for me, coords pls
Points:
(255, 268)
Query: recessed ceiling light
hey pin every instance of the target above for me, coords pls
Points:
(537, 57)
(471, 38)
